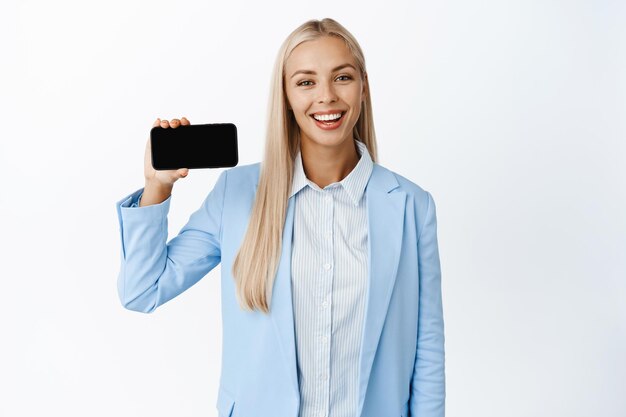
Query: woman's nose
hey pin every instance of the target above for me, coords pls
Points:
(327, 93)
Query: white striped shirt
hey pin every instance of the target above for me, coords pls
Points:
(329, 285)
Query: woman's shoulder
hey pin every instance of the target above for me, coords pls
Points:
(247, 173)
(418, 198)
(403, 183)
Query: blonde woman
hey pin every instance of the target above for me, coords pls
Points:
(331, 281)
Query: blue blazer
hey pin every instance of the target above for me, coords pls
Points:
(401, 361)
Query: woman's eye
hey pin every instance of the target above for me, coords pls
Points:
(347, 77)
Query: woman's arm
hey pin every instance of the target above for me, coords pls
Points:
(428, 384)
(152, 271)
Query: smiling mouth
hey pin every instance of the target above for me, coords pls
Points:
(329, 122)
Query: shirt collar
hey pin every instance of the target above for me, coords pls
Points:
(354, 183)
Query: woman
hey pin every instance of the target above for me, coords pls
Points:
(331, 282)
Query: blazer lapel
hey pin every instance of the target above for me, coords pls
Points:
(281, 308)
(385, 213)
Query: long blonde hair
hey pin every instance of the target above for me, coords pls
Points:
(256, 263)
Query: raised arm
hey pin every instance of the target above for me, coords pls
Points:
(152, 271)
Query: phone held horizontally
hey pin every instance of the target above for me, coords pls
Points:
(211, 145)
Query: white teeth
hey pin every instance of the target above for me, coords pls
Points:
(327, 116)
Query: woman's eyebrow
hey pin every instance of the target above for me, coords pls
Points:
(313, 72)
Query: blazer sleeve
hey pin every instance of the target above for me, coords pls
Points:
(428, 382)
(152, 271)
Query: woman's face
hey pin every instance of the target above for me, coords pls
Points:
(316, 81)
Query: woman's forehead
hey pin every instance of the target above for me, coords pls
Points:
(322, 54)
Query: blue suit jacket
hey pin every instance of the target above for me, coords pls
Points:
(401, 361)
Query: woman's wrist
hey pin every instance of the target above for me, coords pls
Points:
(155, 193)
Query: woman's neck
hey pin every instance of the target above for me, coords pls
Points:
(325, 165)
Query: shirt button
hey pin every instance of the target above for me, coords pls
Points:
(329, 234)
(324, 377)
(325, 304)
(327, 266)
(324, 339)
(329, 198)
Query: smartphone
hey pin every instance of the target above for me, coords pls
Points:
(212, 145)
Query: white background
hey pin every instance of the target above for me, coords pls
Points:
(511, 113)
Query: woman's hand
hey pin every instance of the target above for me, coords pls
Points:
(166, 178)
(159, 184)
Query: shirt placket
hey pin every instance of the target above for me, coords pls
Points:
(325, 296)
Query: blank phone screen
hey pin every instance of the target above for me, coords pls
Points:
(194, 146)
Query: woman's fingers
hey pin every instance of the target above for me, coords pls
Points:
(174, 123)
